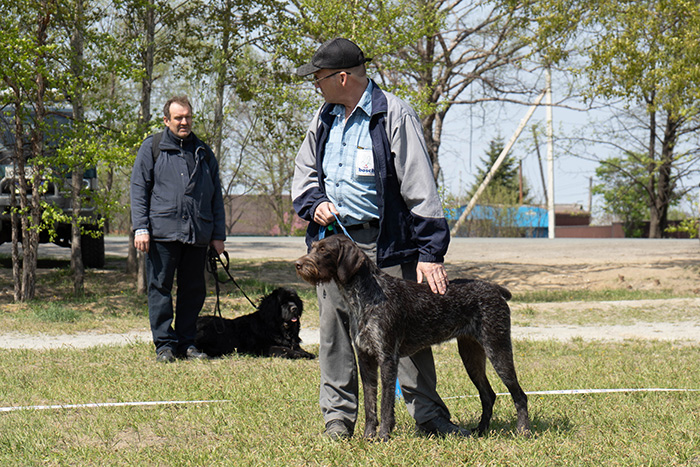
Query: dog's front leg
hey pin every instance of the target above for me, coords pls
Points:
(368, 374)
(390, 369)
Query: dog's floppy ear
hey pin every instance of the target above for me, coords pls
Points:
(350, 259)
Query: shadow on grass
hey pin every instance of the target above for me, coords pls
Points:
(506, 428)
(42, 263)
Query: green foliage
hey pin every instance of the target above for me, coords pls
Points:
(691, 227)
(647, 51)
(645, 54)
(504, 187)
(623, 182)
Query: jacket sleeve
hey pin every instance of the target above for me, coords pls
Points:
(218, 200)
(418, 189)
(141, 186)
(307, 192)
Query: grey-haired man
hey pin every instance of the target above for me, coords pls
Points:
(364, 160)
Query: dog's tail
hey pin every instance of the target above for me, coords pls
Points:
(505, 293)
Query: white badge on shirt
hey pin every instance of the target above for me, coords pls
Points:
(364, 163)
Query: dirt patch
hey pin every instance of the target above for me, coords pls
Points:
(519, 264)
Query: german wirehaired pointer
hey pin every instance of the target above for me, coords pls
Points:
(392, 318)
(272, 330)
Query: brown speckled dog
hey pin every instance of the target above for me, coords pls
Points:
(393, 318)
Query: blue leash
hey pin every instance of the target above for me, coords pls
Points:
(322, 230)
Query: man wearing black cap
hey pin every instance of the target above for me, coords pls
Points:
(364, 160)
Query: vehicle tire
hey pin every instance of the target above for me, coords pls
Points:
(93, 251)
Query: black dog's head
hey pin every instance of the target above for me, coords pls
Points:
(282, 304)
(335, 257)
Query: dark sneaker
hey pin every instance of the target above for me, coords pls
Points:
(336, 429)
(165, 355)
(440, 426)
(192, 353)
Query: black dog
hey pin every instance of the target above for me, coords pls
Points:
(273, 330)
(392, 318)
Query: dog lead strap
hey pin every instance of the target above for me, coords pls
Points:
(322, 230)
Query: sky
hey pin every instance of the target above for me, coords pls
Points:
(467, 138)
(468, 133)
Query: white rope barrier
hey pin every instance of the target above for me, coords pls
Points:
(154, 403)
(105, 404)
(584, 391)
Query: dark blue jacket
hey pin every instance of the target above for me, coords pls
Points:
(412, 225)
(171, 204)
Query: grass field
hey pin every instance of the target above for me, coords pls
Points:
(264, 411)
(268, 414)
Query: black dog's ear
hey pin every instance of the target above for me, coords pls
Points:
(350, 259)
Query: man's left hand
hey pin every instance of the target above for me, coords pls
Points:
(218, 245)
(435, 275)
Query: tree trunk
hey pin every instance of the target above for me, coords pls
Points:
(31, 221)
(77, 58)
(16, 222)
(654, 214)
(146, 89)
(221, 88)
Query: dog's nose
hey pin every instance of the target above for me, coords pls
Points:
(297, 264)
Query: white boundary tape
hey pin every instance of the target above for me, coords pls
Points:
(151, 403)
(105, 404)
(585, 391)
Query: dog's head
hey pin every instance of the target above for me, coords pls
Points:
(282, 304)
(335, 257)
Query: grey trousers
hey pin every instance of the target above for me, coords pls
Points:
(339, 374)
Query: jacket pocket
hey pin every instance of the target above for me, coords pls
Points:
(164, 224)
(204, 228)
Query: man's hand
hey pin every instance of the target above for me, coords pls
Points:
(218, 245)
(435, 275)
(141, 242)
(324, 213)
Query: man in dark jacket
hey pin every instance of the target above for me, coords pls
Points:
(365, 161)
(177, 211)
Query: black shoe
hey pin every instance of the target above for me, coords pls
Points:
(165, 355)
(192, 353)
(336, 429)
(440, 426)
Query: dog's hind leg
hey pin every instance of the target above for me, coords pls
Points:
(500, 353)
(368, 374)
(474, 360)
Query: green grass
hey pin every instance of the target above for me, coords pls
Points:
(270, 412)
(271, 416)
(568, 295)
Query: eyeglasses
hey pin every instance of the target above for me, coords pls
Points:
(318, 80)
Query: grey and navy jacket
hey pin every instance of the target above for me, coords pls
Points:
(173, 205)
(412, 225)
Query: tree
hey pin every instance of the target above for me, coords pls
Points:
(505, 186)
(645, 53)
(149, 27)
(272, 128)
(621, 198)
(433, 51)
(25, 64)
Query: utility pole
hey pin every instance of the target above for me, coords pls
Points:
(551, 218)
(496, 164)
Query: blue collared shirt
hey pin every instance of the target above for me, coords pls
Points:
(348, 164)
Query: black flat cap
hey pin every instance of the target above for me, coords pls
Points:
(334, 54)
